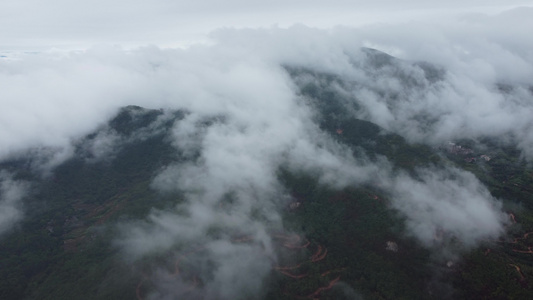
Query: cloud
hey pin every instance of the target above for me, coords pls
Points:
(244, 117)
(51, 98)
(452, 107)
(478, 82)
(234, 145)
(62, 24)
(11, 194)
(447, 209)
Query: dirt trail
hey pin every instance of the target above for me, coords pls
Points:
(139, 285)
(293, 246)
(511, 215)
(332, 271)
(300, 276)
(324, 288)
(293, 242)
(529, 250)
(522, 277)
(288, 268)
(515, 240)
(524, 237)
(319, 255)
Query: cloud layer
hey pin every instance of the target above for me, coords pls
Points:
(447, 207)
(62, 24)
(245, 117)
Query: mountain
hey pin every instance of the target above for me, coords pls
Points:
(168, 204)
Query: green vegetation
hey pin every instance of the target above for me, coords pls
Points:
(64, 244)
(354, 225)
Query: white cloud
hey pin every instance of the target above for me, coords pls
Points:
(448, 208)
(11, 193)
(32, 24)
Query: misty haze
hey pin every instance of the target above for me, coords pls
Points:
(252, 150)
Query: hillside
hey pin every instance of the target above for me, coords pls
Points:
(158, 204)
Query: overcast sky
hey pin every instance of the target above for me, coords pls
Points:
(36, 25)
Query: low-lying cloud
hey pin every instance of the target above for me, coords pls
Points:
(245, 118)
(230, 189)
(11, 193)
(447, 209)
